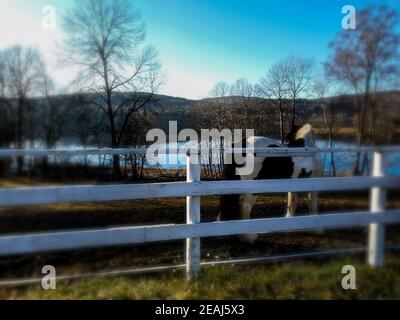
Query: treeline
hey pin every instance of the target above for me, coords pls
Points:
(362, 63)
(119, 78)
(105, 41)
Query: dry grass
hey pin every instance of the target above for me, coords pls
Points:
(296, 280)
(289, 280)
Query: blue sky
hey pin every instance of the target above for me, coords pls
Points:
(201, 42)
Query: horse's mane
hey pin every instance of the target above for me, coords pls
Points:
(307, 134)
(304, 132)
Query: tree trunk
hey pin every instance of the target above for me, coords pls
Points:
(329, 125)
(363, 124)
(20, 160)
(116, 157)
(116, 167)
(110, 114)
(114, 141)
(282, 125)
(293, 112)
(143, 160)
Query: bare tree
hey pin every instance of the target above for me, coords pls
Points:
(243, 92)
(242, 88)
(2, 76)
(138, 125)
(274, 86)
(5, 123)
(53, 112)
(106, 40)
(366, 59)
(4, 103)
(220, 90)
(299, 74)
(22, 72)
(89, 122)
(321, 90)
(217, 112)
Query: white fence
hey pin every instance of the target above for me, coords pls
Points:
(193, 189)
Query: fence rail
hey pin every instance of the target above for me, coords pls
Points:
(70, 240)
(270, 152)
(103, 193)
(193, 189)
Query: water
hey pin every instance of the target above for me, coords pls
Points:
(344, 160)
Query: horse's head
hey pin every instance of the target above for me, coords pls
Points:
(300, 137)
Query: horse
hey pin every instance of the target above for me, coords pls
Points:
(235, 207)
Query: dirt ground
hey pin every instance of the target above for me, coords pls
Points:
(18, 220)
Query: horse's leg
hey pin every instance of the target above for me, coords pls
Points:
(247, 202)
(313, 203)
(292, 204)
(313, 207)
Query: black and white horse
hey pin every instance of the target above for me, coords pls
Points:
(235, 207)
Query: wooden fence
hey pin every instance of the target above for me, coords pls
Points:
(376, 218)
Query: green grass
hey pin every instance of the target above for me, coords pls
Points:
(295, 280)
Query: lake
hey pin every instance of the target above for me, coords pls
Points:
(344, 161)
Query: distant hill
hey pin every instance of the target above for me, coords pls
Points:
(176, 103)
(75, 121)
(168, 108)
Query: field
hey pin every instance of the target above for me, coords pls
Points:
(295, 280)
(306, 279)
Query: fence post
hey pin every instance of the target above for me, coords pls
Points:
(192, 217)
(377, 205)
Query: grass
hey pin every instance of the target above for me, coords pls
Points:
(294, 280)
